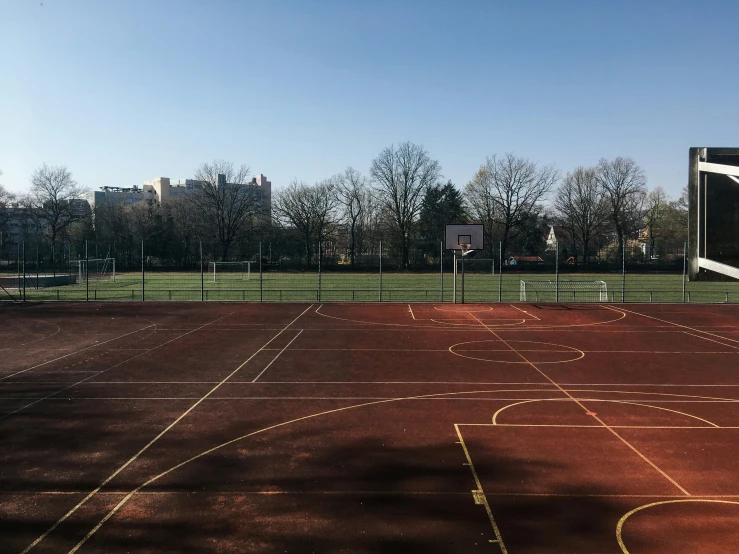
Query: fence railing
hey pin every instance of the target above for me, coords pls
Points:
(484, 280)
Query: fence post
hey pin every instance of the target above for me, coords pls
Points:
(24, 271)
(500, 272)
(380, 271)
(623, 272)
(18, 264)
(143, 274)
(556, 272)
(37, 264)
(318, 297)
(202, 274)
(441, 272)
(53, 262)
(261, 299)
(685, 259)
(462, 257)
(454, 277)
(87, 274)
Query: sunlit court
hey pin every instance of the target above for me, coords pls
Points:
(171, 427)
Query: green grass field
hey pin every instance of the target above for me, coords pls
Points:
(396, 287)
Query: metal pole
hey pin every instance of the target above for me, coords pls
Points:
(380, 271)
(37, 264)
(623, 273)
(87, 274)
(260, 268)
(454, 277)
(143, 274)
(18, 264)
(24, 271)
(53, 264)
(319, 271)
(685, 260)
(441, 272)
(500, 272)
(556, 271)
(462, 277)
(202, 274)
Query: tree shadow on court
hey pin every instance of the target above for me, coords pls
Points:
(352, 495)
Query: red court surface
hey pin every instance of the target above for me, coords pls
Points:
(515, 428)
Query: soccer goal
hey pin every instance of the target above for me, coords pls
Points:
(96, 269)
(570, 291)
(230, 270)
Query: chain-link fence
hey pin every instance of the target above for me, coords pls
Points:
(92, 271)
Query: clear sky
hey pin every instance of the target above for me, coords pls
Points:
(124, 91)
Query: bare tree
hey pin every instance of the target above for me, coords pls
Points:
(6, 199)
(581, 207)
(655, 210)
(310, 209)
(625, 188)
(517, 186)
(352, 194)
(225, 201)
(401, 176)
(55, 200)
(481, 205)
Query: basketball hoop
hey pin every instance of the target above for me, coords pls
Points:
(465, 248)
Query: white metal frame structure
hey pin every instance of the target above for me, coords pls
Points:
(242, 264)
(108, 269)
(700, 169)
(591, 291)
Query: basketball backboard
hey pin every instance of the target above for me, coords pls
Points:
(713, 194)
(459, 235)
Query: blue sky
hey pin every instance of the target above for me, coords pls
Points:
(125, 91)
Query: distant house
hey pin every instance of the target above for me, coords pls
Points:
(515, 260)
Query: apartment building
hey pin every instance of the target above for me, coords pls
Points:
(162, 189)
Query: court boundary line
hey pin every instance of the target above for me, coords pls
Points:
(479, 494)
(145, 448)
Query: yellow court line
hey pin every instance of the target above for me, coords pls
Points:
(58, 329)
(620, 525)
(133, 492)
(595, 416)
(146, 447)
(570, 349)
(495, 415)
(411, 311)
(479, 493)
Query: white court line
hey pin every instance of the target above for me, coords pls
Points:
(277, 356)
(673, 323)
(100, 372)
(524, 311)
(76, 352)
(590, 412)
(142, 450)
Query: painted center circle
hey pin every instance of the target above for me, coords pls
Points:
(516, 351)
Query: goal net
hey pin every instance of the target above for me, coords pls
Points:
(571, 291)
(95, 269)
(230, 270)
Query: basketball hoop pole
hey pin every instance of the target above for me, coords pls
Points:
(462, 277)
(454, 276)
